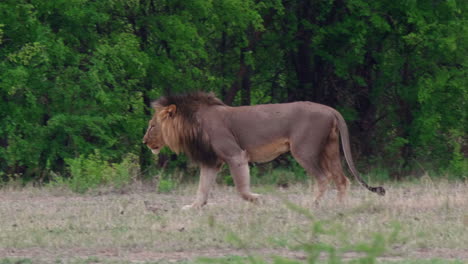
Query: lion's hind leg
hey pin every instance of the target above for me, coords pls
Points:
(341, 181)
(331, 163)
(334, 172)
(310, 162)
(308, 151)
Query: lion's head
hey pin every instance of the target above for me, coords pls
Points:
(175, 124)
(153, 137)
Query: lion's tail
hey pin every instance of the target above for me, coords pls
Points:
(349, 159)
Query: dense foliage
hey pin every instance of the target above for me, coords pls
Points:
(77, 76)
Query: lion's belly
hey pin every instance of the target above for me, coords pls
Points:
(268, 152)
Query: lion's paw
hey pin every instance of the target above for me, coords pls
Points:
(187, 207)
(191, 206)
(251, 197)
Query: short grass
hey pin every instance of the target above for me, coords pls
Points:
(423, 222)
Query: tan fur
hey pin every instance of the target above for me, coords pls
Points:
(269, 151)
(211, 134)
(173, 129)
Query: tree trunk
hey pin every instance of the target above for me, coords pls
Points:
(242, 81)
(365, 107)
(302, 58)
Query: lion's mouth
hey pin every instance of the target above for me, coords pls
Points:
(155, 150)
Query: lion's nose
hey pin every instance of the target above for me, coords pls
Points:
(144, 141)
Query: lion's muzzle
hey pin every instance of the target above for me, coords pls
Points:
(155, 151)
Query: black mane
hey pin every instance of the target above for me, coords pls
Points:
(188, 100)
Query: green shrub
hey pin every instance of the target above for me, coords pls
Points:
(166, 185)
(228, 180)
(376, 174)
(88, 172)
(167, 181)
(458, 165)
(279, 177)
(15, 261)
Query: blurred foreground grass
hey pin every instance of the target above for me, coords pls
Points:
(428, 221)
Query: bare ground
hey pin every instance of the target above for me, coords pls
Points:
(136, 255)
(47, 225)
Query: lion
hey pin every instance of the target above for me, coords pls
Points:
(212, 133)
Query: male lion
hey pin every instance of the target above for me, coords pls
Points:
(212, 133)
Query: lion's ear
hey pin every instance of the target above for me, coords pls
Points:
(168, 111)
(171, 110)
(155, 105)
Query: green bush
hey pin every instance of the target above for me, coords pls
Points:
(228, 180)
(166, 185)
(279, 177)
(88, 172)
(167, 181)
(15, 261)
(458, 165)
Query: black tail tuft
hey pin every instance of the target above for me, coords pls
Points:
(379, 190)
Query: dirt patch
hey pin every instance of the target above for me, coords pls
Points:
(141, 255)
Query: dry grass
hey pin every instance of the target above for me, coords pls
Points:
(46, 224)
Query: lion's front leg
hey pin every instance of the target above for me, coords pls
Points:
(241, 177)
(239, 168)
(207, 178)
